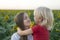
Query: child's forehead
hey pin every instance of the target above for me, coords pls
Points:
(37, 13)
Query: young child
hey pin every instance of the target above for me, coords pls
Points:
(43, 18)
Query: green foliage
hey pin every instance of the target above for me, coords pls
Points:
(55, 33)
(8, 26)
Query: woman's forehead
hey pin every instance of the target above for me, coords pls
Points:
(25, 14)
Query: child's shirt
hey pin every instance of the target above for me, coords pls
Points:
(40, 33)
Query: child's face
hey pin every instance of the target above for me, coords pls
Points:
(37, 18)
(26, 20)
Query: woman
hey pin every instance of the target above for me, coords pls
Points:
(23, 22)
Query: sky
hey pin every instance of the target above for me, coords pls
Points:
(29, 4)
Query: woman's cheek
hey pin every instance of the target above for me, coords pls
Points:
(26, 23)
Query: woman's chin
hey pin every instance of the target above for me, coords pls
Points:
(27, 28)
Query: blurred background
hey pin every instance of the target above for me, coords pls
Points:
(9, 8)
(8, 26)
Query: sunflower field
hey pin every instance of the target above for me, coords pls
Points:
(8, 26)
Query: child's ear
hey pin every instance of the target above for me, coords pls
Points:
(41, 19)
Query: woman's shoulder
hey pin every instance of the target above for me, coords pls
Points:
(15, 36)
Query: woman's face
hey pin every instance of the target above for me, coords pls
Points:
(27, 20)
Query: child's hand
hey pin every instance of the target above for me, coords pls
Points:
(18, 30)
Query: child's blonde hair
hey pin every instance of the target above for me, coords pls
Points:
(46, 13)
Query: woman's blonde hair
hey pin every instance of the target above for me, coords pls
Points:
(47, 14)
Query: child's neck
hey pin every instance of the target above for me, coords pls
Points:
(39, 24)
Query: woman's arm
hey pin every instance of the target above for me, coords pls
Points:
(25, 32)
